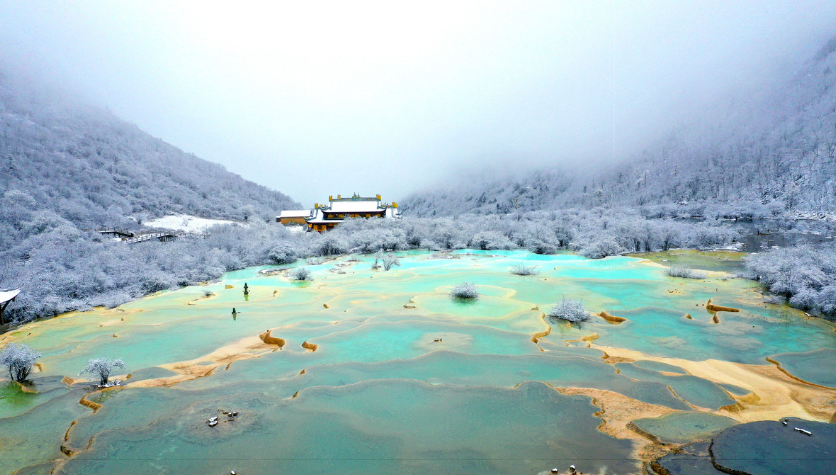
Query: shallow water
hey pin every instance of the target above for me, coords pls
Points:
(403, 379)
(772, 448)
(684, 427)
(813, 366)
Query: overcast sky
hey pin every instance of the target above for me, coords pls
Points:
(314, 99)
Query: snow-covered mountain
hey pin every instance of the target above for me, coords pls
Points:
(94, 169)
(776, 149)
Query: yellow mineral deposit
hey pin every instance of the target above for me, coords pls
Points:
(617, 412)
(719, 308)
(267, 338)
(773, 394)
(245, 348)
(611, 318)
(92, 405)
(536, 337)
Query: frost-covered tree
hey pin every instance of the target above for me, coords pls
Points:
(283, 253)
(668, 233)
(101, 368)
(490, 240)
(330, 244)
(371, 235)
(389, 261)
(18, 359)
(600, 248)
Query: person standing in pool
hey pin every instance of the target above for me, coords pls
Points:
(234, 314)
(246, 289)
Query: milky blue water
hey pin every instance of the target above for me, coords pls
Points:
(404, 379)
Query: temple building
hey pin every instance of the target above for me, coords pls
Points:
(295, 216)
(324, 217)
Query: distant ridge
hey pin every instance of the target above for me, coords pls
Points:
(94, 169)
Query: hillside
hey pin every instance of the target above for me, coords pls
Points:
(66, 168)
(773, 152)
(94, 169)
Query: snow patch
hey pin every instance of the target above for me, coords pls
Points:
(184, 222)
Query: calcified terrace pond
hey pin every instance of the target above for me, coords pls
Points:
(364, 371)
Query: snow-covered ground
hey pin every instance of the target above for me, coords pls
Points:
(184, 222)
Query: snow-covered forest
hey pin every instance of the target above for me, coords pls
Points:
(770, 153)
(804, 274)
(68, 269)
(62, 268)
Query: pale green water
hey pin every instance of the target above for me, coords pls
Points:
(380, 395)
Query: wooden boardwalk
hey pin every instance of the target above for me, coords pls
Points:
(132, 237)
(119, 232)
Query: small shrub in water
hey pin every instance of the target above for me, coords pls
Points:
(19, 360)
(390, 261)
(685, 272)
(570, 310)
(521, 269)
(301, 273)
(465, 291)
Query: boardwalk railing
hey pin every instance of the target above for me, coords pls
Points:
(162, 236)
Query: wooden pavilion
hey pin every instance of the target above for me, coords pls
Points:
(6, 297)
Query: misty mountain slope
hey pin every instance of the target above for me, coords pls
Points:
(778, 148)
(93, 169)
(781, 147)
(492, 195)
